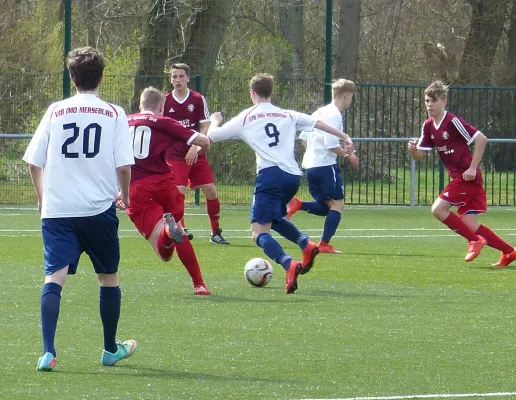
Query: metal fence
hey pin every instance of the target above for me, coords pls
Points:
(387, 175)
(381, 120)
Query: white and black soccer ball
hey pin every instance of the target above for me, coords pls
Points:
(258, 272)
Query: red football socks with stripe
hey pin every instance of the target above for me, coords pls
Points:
(454, 222)
(213, 209)
(493, 240)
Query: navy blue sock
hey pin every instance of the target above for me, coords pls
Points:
(330, 225)
(110, 299)
(273, 249)
(289, 231)
(315, 207)
(50, 304)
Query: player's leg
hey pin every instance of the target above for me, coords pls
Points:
(189, 235)
(98, 236)
(441, 211)
(180, 171)
(201, 175)
(331, 223)
(477, 205)
(62, 252)
(317, 207)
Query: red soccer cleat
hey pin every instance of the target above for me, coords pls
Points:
(309, 253)
(291, 279)
(325, 247)
(293, 207)
(474, 248)
(201, 290)
(506, 259)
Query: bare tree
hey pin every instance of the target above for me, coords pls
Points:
(292, 29)
(487, 19)
(348, 39)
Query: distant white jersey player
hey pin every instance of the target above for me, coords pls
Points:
(271, 132)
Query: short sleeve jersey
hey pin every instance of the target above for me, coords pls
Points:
(152, 135)
(270, 131)
(190, 112)
(79, 143)
(319, 143)
(451, 138)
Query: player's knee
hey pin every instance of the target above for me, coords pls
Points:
(210, 191)
(108, 280)
(336, 205)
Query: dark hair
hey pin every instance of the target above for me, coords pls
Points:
(182, 66)
(86, 66)
(262, 84)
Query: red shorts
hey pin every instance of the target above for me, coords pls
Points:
(197, 175)
(466, 196)
(150, 198)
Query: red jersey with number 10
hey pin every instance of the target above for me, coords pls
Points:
(152, 136)
(190, 112)
(451, 138)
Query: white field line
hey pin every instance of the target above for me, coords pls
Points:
(428, 396)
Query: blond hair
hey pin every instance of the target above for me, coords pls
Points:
(437, 90)
(150, 99)
(341, 86)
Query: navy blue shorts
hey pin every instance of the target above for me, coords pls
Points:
(273, 189)
(65, 239)
(325, 183)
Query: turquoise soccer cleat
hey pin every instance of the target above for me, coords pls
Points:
(125, 350)
(46, 363)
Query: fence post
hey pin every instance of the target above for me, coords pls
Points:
(67, 46)
(441, 175)
(329, 51)
(197, 89)
(412, 182)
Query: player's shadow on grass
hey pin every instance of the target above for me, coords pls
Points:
(137, 371)
(217, 298)
(366, 253)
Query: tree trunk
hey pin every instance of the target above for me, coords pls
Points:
(510, 58)
(153, 50)
(348, 39)
(487, 19)
(291, 28)
(90, 16)
(206, 38)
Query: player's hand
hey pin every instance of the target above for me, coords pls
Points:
(469, 174)
(216, 118)
(191, 156)
(353, 160)
(412, 145)
(122, 201)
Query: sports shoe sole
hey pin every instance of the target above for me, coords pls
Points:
(309, 266)
(175, 234)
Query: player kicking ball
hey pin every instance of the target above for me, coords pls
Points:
(156, 203)
(451, 135)
(322, 171)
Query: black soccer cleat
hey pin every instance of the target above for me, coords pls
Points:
(217, 238)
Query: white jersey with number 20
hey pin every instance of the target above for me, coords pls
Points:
(79, 143)
(270, 131)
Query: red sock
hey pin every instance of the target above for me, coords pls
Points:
(493, 240)
(187, 256)
(457, 225)
(165, 245)
(213, 208)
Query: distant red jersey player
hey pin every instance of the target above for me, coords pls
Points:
(188, 163)
(156, 203)
(451, 136)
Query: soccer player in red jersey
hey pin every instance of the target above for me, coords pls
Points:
(189, 163)
(156, 203)
(451, 135)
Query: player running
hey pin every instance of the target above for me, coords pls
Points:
(189, 163)
(78, 156)
(271, 132)
(156, 203)
(322, 171)
(451, 135)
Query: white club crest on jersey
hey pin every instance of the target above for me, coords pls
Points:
(445, 135)
(191, 107)
(171, 110)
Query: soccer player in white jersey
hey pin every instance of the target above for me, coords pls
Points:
(322, 171)
(80, 161)
(271, 133)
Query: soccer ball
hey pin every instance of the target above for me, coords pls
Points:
(258, 272)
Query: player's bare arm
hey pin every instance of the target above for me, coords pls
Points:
(202, 142)
(480, 146)
(123, 174)
(36, 174)
(215, 119)
(416, 154)
(352, 158)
